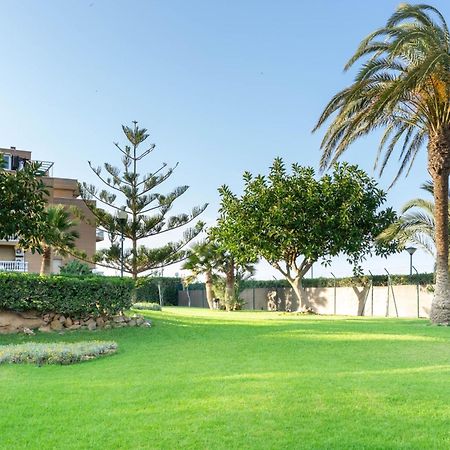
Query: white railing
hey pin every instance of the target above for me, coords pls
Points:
(13, 266)
(12, 238)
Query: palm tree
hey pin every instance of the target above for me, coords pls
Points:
(203, 260)
(416, 225)
(60, 235)
(403, 86)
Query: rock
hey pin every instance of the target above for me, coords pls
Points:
(100, 322)
(68, 323)
(147, 324)
(75, 326)
(56, 325)
(140, 321)
(108, 326)
(45, 329)
(76, 322)
(62, 319)
(118, 319)
(28, 331)
(11, 320)
(91, 324)
(132, 323)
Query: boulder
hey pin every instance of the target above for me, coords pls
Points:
(91, 324)
(45, 329)
(12, 320)
(100, 322)
(68, 323)
(132, 323)
(56, 325)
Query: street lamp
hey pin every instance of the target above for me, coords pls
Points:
(122, 217)
(411, 251)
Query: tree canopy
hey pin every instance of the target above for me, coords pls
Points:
(294, 219)
(22, 206)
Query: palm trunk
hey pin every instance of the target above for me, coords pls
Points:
(229, 285)
(438, 167)
(209, 288)
(46, 261)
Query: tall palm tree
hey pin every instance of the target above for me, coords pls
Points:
(60, 235)
(403, 86)
(416, 225)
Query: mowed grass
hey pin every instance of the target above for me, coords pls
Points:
(216, 380)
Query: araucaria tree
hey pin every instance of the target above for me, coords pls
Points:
(293, 219)
(147, 211)
(403, 86)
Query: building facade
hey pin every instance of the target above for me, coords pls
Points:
(62, 191)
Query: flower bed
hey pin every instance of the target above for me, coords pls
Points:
(60, 353)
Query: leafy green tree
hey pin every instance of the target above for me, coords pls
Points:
(22, 206)
(147, 211)
(403, 86)
(292, 220)
(59, 235)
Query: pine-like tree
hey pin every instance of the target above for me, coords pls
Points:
(146, 210)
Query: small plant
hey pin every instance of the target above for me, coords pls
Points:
(75, 268)
(148, 306)
(63, 353)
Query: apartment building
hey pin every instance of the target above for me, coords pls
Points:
(62, 191)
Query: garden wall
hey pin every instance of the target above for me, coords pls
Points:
(395, 301)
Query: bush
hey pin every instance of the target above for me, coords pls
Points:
(76, 297)
(147, 306)
(60, 353)
(147, 289)
(75, 268)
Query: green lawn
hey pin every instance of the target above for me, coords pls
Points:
(207, 380)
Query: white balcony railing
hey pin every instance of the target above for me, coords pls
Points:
(13, 266)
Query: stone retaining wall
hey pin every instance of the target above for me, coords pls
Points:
(16, 322)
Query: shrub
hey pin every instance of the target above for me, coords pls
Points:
(147, 306)
(75, 268)
(147, 289)
(60, 353)
(76, 297)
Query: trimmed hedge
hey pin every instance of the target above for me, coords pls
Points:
(422, 279)
(65, 295)
(147, 289)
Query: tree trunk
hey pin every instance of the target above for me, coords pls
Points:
(209, 288)
(46, 261)
(438, 167)
(229, 285)
(300, 293)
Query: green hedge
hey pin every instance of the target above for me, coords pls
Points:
(65, 295)
(147, 289)
(378, 280)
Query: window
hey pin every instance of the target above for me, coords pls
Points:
(7, 160)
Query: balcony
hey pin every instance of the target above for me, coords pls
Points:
(13, 266)
(10, 240)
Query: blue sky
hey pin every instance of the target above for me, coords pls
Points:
(223, 87)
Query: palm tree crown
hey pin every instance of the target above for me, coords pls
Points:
(402, 86)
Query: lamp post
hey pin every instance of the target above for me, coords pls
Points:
(411, 251)
(122, 217)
